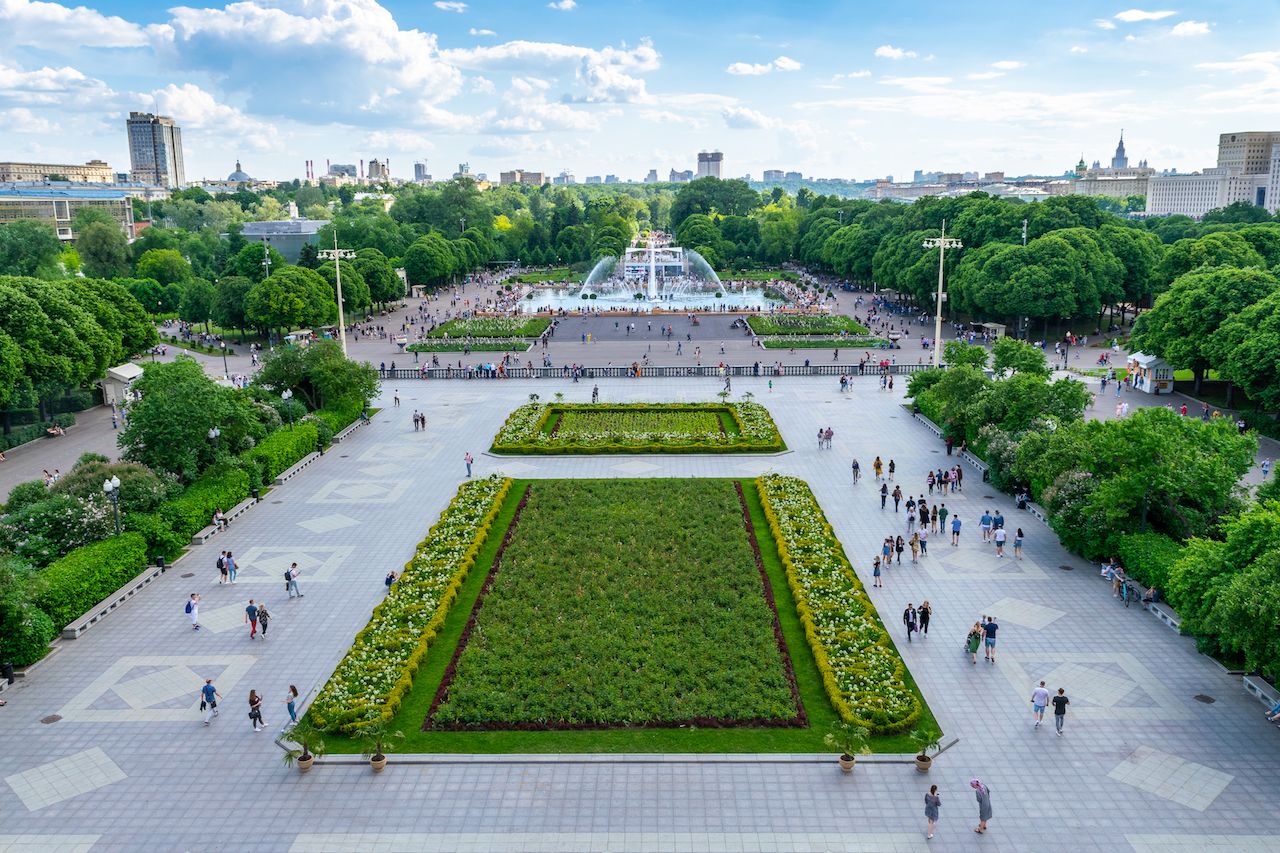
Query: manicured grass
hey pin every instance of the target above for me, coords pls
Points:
(826, 343)
(514, 345)
(559, 428)
(637, 740)
(556, 274)
(617, 603)
(805, 324)
(491, 327)
(757, 275)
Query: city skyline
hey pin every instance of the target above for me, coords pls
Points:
(594, 88)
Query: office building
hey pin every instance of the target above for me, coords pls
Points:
(710, 164)
(57, 206)
(1248, 153)
(564, 179)
(379, 170)
(93, 172)
(680, 177)
(652, 177)
(593, 179)
(793, 176)
(420, 172)
(1248, 171)
(286, 236)
(612, 179)
(155, 150)
(772, 176)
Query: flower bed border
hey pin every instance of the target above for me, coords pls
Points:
(536, 443)
(800, 720)
(830, 550)
(348, 720)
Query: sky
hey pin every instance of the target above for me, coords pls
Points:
(856, 89)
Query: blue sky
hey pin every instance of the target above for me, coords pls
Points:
(833, 89)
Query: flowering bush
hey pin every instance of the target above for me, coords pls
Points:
(803, 324)
(861, 670)
(639, 428)
(372, 680)
(491, 327)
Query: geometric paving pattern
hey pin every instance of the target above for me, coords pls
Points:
(263, 565)
(327, 523)
(64, 778)
(968, 563)
(155, 688)
(1204, 843)
(47, 843)
(1024, 613)
(1173, 778)
(359, 492)
(635, 469)
(1101, 686)
(575, 842)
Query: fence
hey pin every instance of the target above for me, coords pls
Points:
(647, 372)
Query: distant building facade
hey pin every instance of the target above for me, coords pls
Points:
(93, 172)
(379, 170)
(155, 150)
(772, 176)
(710, 164)
(286, 236)
(57, 206)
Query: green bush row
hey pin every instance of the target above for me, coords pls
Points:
(283, 449)
(30, 432)
(339, 418)
(89, 574)
(1147, 557)
(219, 488)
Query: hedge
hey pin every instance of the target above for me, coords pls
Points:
(282, 449)
(1147, 557)
(339, 417)
(30, 432)
(162, 541)
(89, 574)
(28, 640)
(219, 488)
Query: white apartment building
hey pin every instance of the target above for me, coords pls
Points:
(1200, 192)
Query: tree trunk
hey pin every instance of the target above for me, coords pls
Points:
(1198, 373)
(1231, 387)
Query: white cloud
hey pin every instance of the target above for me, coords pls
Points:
(1131, 37)
(852, 75)
(1130, 16)
(1075, 48)
(1190, 28)
(450, 6)
(918, 84)
(1104, 24)
(196, 109)
(22, 120)
(1008, 65)
(396, 140)
(482, 85)
(888, 51)
(51, 25)
(984, 75)
(481, 32)
(527, 110)
(563, 5)
(743, 118)
(607, 74)
(64, 87)
(782, 63)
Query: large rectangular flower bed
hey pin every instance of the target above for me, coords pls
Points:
(805, 324)
(623, 603)
(491, 327)
(558, 428)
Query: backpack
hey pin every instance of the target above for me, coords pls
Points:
(288, 574)
(188, 607)
(222, 564)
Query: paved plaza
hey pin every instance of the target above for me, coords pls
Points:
(1144, 764)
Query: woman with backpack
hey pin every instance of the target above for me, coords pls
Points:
(255, 711)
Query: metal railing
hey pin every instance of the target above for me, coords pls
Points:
(710, 371)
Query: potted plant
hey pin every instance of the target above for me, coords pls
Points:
(925, 739)
(375, 736)
(310, 743)
(851, 740)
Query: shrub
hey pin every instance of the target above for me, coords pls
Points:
(1148, 557)
(43, 531)
(220, 488)
(161, 538)
(999, 450)
(141, 489)
(30, 432)
(282, 449)
(26, 639)
(339, 417)
(25, 494)
(87, 575)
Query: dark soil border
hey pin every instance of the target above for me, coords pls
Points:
(800, 720)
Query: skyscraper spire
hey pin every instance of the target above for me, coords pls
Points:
(1120, 161)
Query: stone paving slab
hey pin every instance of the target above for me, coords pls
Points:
(231, 789)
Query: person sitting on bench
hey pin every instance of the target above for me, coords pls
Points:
(56, 430)
(219, 520)
(1152, 596)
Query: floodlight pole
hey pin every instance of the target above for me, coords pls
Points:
(337, 256)
(941, 244)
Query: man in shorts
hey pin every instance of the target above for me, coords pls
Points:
(1039, 699)
(989, 629)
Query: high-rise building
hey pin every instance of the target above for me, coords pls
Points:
(793, 176)
(709, 164)
(772, 176)
(680, 177)
(593, 179)
(611, 179)
(420, 171)
(155, 150)
(1120, 161)
(652, 177)
(564, 179)
(1249, 152)
(379, 170)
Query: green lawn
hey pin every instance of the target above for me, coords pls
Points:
(757, 275)
(657, 740)
(826, 343)
(558, 428)
(805, 324)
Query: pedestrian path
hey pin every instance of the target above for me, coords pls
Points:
(1142, 759)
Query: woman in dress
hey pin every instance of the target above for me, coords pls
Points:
(900, 546)
(983, 794)
(932, 802)
(875, 573)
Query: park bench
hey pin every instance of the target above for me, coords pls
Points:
(1166, 614)
(110, 603)
(231, 515)
(1262, 690)
(349, 429)
(296, 469)
(937, 430)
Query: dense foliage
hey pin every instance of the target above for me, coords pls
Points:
(639, 428)
(663, 620)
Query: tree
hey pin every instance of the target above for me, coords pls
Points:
(169, 426)
(104, 251)
(1138, 252)
(384, 284)
(355, 293)
(228, 302)
(712, 195)
(309, 256)
(29, 248)
(136, 331)
(1220, 249)
(957, 353)
(1238, 211)
(291, 298)
(429, 260)
(1015, 356)
(198, 297)
(320, 374)
(167, 266)
(1181, 325)
(248, 262)
(1246, 349)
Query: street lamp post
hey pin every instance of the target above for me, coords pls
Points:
(266, 257)
(287, 395)
(941, 244)
(214, 433)
(112, 490)
(338, 256)
(226, 371)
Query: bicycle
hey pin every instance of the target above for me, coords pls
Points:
(1125, 593)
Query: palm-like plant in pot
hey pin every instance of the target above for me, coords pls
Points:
(925, 739)
(310, 743)
(376, 736)
(851, 741)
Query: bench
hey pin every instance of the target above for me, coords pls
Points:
(1264, 692)
(294, 471)
(937, 430)
(349, 429)
(231, 515)
(1166, 614)
(1038, 511)
(111, 602)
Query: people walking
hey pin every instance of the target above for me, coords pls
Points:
(955, 530)
(1039, 699)
(1017, 544)
(193, 610)
(999, 535)
(923, 536)
(232, 568)
(291, 705)
(932, 802)
(923, 614)
(989, 629)
(263, 619)
(984, 804)
(915, 547)
(897, 497)
(389, 580)
(909, 618)
(222, 568)
(255, 711)
(251, 618)
(875, 573)
(884, 493)
(291, 581)
(857, 471)
(209, 697)
(899, 546)
(972, 642)
(893, 466)
(878, 467)
(1060, 703)
(467, 459)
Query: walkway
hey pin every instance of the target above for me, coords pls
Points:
(91, 434)
(1144, 766)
